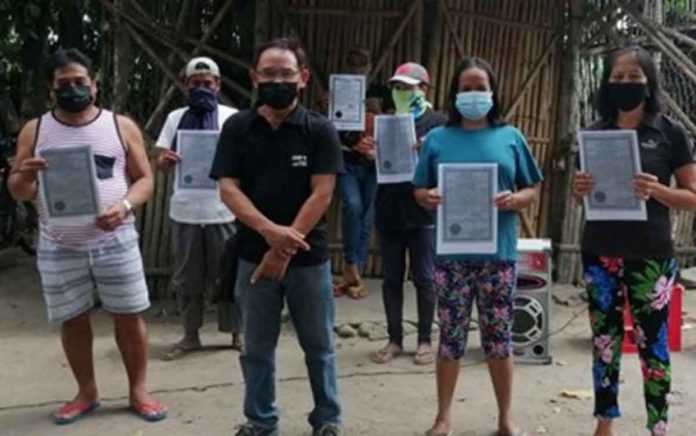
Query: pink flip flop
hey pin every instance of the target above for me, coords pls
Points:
(73, 411)
(151, 412)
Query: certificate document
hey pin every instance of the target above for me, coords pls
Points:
(396, 157)
(467, 219)
(347, 101)
(197, 150)
(69, 186)
(612, 158)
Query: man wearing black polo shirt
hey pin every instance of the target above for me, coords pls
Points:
(277, 167)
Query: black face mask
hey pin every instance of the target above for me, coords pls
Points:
(73, 99)
(277, 95)
(628, 96)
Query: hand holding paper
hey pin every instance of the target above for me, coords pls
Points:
(112, 217)
(29, 168)
(646, 185)
(505, 200)
(168, 159)
(428, 198)
(583, 183)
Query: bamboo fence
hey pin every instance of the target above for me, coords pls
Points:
(545, 52)
(522, 40)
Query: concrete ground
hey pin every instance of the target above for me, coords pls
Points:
(204, 391)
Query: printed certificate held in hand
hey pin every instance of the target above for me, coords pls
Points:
(467, 219)
(197, 150)
(68, 186)
(612, 158)
(396, 156)
(347, 101)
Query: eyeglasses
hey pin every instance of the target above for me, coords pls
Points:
(271, 74)
(77, 81)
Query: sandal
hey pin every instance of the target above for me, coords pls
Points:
(74, 411)
(179, 350)
(356, 290)
(238, 344)
(424, 356)
(386, 354)
(152, 411)
(339, 289)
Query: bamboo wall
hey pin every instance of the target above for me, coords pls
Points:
(522, 40)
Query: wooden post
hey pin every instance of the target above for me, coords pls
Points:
(653, 12)
(180, 28)
(262, 21)
(122, 61)
(564, 210)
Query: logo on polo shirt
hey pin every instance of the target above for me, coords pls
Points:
(299, 160)
(650, 144)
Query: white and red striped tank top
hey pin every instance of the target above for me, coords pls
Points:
(103, 135)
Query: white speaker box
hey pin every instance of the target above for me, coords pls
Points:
(532, 312)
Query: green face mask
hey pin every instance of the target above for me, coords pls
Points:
(409, 101)
(402, 100)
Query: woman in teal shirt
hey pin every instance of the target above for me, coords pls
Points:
(476, 133)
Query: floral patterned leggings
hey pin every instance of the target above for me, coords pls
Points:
(648, 285)
(492, 284)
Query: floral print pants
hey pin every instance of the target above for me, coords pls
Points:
(648, 286)
(492, 284)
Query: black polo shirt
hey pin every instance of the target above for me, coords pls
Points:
(275, 168)
(664, 147)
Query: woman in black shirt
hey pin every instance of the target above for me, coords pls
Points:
(635, 257)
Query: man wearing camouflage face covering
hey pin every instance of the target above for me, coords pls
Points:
(403, 226)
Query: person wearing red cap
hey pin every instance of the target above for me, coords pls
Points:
(404, 226)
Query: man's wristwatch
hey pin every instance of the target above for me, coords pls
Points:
(128, 206)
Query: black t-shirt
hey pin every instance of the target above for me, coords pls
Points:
(664, 147)
(395, 206)
(275, 168)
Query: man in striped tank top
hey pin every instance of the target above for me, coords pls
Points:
(80, 262)
(200, 224)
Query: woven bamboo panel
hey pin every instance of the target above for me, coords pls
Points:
(520, 39)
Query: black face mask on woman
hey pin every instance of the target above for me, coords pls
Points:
(73, 99)
(277, 95)
(628, 96)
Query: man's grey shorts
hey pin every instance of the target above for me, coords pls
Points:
(114, 270)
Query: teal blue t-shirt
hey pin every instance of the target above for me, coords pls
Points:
(502, 145)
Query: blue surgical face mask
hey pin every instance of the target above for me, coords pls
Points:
(474, 105)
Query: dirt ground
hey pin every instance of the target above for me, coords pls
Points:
(204, 390)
